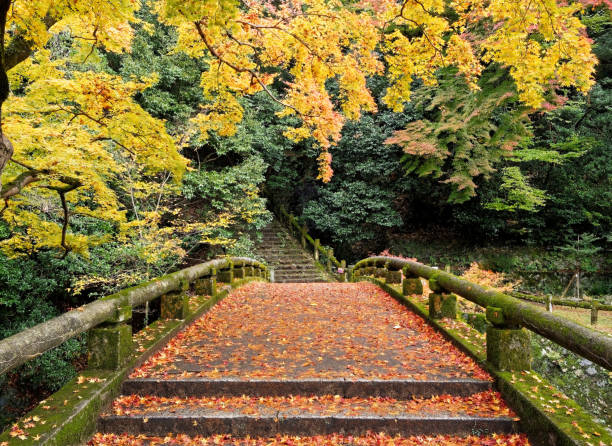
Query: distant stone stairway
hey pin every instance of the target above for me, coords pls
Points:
(285, 256)
(309, 364)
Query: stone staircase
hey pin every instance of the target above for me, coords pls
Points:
(285, 255)
(289, 363)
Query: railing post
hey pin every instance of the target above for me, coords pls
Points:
(207, 285)
(226, 274)
(441, 303)
(292, 223)
(394, 276)
(390, 275)
(330, 254)
(303, 236)
(239, 272)
(508, 345)
(175, 304)
(370, 270)
(549, 306)
(317, 243)
(381, 271)
(411, 283)
(110, 344)
(594, 310)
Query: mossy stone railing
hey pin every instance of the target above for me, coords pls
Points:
(508, 317)
(562, 302)
(110, 336)
(323, 256)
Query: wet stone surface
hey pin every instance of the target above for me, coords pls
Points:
(296, 331)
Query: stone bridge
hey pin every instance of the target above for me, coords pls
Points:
(372, 355)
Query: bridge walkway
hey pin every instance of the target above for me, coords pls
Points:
(309, 363)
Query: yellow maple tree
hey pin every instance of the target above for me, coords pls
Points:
(76, 141)
(81, 130)
(307, 43)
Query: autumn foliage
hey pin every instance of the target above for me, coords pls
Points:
(322, 440)
(303, 341)
(488, 278)
(77, 142)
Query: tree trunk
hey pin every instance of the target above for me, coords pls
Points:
(6, 148)
(18, 50)
(6, 151)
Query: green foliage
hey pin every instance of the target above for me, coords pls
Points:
(463, 133)
(223, 188)
(354, 214)
(357, 210)
(28, 290)
(581, 250)
(232, 189)
(177, 94)
(519, 194)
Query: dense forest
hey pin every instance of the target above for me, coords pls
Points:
(461, 169)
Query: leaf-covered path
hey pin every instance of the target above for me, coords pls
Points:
(310, 331)
(308, 364)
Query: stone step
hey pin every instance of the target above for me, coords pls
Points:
(301, 273)
(281, 250)
(298, 278)
(295, 267)
(288, 264)
(302, 281)
(273, 238)
(371, 439)
(290, 269)
(200, 423)
(302, 257)
(295, 272)
(284, 254)
(306, 415)
(346, 388)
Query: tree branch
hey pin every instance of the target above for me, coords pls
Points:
(20, 48)
(238, 69)
(65, 224)
(15, 187)
(70, 185)
(33, 175)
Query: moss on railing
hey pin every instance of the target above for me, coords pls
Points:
(548, 416)
(69, 416)
(592, 345)
(561, 302)
(19, 348)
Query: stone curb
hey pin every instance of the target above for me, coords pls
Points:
(303, 425)
(398, 389)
